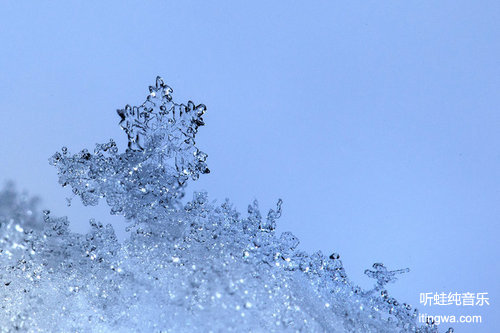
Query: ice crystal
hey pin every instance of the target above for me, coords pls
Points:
(149, 177)
(382, 275)
(185, 266)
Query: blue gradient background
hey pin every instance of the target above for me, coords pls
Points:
(377, 123)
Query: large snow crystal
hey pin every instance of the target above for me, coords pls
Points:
(187, 266)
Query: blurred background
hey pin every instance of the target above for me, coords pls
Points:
(378, 124)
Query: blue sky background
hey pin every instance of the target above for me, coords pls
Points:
(377, 123)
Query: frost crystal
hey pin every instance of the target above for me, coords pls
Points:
(148, 179)
(186, 266)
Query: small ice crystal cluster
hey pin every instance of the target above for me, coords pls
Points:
(186, 266)
(146, 181)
